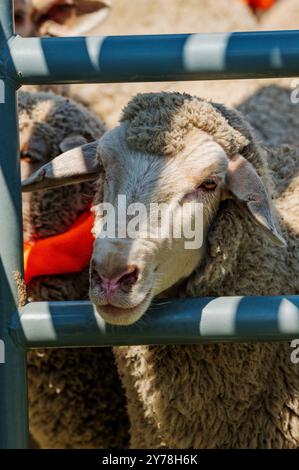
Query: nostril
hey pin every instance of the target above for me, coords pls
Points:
(129, 278)
(125, 279)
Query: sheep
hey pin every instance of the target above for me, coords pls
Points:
(75, 396)
(177, 148)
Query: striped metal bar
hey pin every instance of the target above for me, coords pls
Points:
(178, 321)
(261, 54)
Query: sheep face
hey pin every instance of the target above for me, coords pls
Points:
(158, 205)
(175, 197)
(134, 261)
(59, 17)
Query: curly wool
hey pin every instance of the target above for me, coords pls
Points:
(158, 123)
(219, 395)
(56, 118)
(75, 395)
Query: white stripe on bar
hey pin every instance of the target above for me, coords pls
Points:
(288, 316)
(205, 51)
(93, 46)
(219, 316)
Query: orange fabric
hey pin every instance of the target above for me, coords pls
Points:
(68, 252)
(260, 4)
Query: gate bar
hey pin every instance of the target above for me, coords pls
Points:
(178, 321)
(258, 54)
(13, 390)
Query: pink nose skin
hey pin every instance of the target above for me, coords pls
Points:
(126, 278)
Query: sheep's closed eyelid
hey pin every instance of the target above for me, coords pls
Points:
(30, 157)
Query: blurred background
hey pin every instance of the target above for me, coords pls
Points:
(117, 17)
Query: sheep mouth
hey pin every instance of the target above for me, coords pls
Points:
(124, 316)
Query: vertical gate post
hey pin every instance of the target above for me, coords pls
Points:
(13, 389)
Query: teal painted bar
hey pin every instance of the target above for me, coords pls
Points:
(212, 56)
(13, 390)
(177, 321)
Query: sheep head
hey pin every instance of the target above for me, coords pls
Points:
(59, 17)
(144, 257)
(49, 125)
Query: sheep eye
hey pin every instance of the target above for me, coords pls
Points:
(209, 184)
(29, 158)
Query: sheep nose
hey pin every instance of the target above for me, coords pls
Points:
(123, 279)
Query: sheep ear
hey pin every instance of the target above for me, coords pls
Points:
(79, 18)
(248, 189)
(74, 166)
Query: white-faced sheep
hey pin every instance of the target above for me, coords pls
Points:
(75, 395)
(175, 148)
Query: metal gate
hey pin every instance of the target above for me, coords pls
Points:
(118, 59)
